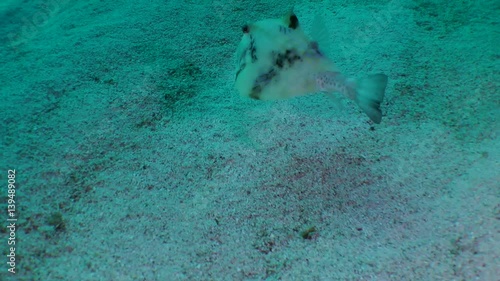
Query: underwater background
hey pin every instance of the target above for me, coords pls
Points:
(135, 158)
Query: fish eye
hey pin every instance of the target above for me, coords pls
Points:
(245, 28)
(294, 22)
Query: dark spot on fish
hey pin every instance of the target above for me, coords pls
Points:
(294, 22)
(292, 59)
(265, 78)
(253, 50)
(287, 59)
(261, 82)
(245, 28)
(240, 70)
(279, 62)
(255, 93)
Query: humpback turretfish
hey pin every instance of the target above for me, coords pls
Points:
(277, 60)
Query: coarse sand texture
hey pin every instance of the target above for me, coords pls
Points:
(249, 140)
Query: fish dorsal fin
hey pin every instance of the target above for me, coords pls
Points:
(291, 20)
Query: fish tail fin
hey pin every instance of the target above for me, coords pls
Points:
(370, 92)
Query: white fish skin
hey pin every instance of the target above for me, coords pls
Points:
(276, 60)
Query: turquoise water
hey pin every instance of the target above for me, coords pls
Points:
(128, 153)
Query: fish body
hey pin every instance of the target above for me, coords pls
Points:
(277, 60)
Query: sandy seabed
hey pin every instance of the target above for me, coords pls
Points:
(135, 158)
